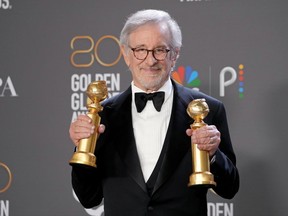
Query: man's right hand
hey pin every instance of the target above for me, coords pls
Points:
(83, 128)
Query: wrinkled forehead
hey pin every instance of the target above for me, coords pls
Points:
(157, 32)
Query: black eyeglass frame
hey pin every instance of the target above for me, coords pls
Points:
(147, 53)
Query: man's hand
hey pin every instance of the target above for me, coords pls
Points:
(82, 128)
(207, 138)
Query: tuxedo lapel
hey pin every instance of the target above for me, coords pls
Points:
(121, 120)
(178, 143)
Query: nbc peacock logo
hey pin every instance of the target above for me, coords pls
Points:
(187, 76)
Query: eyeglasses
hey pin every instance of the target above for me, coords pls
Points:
(158, 53)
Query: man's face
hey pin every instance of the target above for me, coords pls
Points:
(149, 74)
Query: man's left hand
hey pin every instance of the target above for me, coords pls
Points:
(207, 138)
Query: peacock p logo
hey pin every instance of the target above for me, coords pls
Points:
(187, 77)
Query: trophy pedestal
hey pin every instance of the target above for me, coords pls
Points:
(83, 158)
(202, 179)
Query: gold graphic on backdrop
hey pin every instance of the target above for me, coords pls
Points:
(198, 109)
(97, 55)
(96, 92)
(91, 53)
(6, 187)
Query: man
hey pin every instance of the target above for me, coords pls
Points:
(144, 154)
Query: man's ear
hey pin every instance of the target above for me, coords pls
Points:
(125, 55)
(174, 56)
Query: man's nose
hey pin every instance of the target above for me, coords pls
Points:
(150, 59)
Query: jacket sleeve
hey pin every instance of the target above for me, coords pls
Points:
(224, 167)
(86, 183)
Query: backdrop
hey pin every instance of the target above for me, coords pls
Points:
(234, 50)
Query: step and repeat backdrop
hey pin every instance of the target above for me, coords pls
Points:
(233, 50)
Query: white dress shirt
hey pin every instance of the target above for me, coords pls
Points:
(150, 128)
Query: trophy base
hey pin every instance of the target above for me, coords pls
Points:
(83, 159)
(205, 179)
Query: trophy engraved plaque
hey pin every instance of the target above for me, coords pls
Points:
(84, 155)
(198, 109)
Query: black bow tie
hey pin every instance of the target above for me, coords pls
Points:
(142, 98)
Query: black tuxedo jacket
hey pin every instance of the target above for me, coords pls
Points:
(118, 177)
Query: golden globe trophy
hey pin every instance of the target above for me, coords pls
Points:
(198, 109)
(96, 92)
